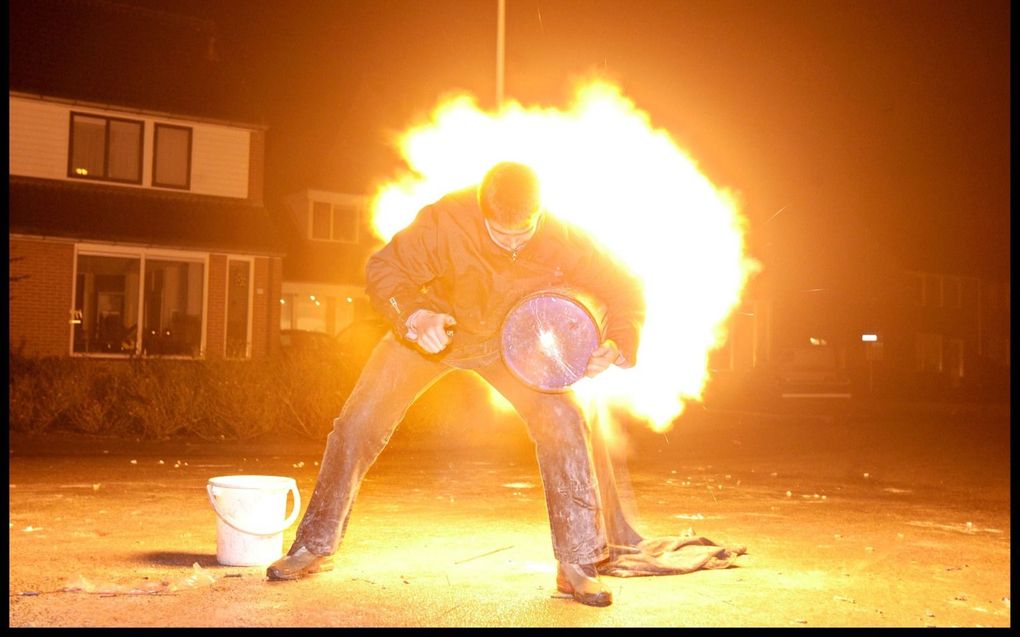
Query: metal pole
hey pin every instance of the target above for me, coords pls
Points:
(500, 49)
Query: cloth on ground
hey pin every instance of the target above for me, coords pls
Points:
(630, 553)
(669, 555)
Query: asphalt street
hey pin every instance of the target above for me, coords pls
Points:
(891, 517)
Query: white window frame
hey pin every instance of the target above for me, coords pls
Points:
(333, 205)
(251, 304)
(142, 253)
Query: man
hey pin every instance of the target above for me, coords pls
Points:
(445, 283)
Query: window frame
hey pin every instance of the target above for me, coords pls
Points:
(156, 126)
(249, 328)
(333, 208)
(142, 254)
(71, 174)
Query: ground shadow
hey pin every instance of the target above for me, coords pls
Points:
(178, 558)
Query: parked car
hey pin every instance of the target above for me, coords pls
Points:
(355, 342)
(307, 340)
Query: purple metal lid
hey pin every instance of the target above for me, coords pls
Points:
(547, 339)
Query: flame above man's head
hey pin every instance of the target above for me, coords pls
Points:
(604, 168)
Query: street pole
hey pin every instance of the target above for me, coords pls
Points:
(500, 49)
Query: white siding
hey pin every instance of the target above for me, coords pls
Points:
(40, 139)
(219, 160)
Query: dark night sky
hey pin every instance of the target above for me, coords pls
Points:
(872, 122)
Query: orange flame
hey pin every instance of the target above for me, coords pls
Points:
(604, 168)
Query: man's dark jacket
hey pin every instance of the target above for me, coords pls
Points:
(445, 261)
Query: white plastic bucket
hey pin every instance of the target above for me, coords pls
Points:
(250, 520)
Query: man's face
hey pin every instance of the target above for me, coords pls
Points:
(512, 238)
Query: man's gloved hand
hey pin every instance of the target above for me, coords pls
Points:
(604, 355)
(432, 330)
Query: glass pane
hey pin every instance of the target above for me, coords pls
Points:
(345, 223)
(286, 311)
(106, 299)
(238, 277)
(172, 148)
(88, 146)
(320, 220)
(125, 151)
(309, 313)
(173, 308)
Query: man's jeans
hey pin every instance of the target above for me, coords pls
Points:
(394, 376)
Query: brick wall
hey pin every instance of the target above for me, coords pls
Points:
(216, 328)
(40, 303)
(273, 299)
(260, 311)
(42, 275)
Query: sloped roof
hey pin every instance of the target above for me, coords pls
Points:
(88, 212)
(107, 52)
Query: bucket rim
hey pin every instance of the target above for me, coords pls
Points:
(240, 480)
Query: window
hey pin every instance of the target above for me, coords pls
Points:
(321, 220)
(928, 352)
(171, 157)
(112, 293)
(106, 300)
(173, 308)
(334, 222)
(303, 312)
(105, 149)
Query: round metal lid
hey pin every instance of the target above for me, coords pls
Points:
(547, 339)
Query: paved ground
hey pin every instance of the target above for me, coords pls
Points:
(890, 517)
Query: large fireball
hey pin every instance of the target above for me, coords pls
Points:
(604, 167)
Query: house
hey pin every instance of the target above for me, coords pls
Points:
(896, 325)
(328, 242)
(137, 225)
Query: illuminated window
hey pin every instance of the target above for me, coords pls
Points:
(303, 312)
(334, 222)
(105, 149)
(171, 157)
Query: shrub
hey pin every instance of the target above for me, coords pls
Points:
(99, 405)
(159, 399)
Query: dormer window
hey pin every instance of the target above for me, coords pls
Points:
(105, 149)
(334, 222)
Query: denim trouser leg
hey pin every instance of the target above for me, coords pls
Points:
(394, 376)
(557, 426)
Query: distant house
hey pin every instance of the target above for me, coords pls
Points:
(895, 329)
(137, 225)
(328, 242)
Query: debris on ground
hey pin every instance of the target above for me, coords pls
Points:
(197, 578)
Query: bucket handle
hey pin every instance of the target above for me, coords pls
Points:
(236, 525)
